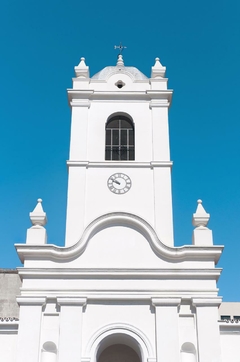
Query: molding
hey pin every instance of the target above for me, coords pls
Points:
(206, 302)
(134, 334)
(31, 300)
(110, 273)
(166, 302)
(56, 253)
(80, 103)
(72, 301)
(161, 164)
(95, 95)
(158, 80)
(119, 164)
(159, 103)
(111, 295)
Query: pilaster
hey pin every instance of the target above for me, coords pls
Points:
(163, 219)
(208, 329)
(162, 176)
(166, 319)
(70, 340)
(29, 328)
(77, 175)
(160, 130)
(79, 126)
(75, 204)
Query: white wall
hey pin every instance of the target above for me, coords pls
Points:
(8, 346)
(230, 346)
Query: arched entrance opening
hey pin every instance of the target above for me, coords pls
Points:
(119, 347)
(120, 342)
(118, 353)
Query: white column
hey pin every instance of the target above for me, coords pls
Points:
(75, 204)
(70, 338)
(163, 204)
(29, 328)
(162, 175)
(76, 173)
(209, 349)
(160, 130)
(167, 338)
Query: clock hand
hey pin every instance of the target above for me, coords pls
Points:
(117, 182)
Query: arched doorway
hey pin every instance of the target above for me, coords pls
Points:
(117, 340)
(118, 353)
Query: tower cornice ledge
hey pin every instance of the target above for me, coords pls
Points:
(177, 254)
(146, 95)
(119, 164)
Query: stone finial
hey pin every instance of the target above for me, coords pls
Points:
(82, 70)
(201, 217)
(120, 61)
(202, 236)
(38, 217)
(37, 234)
(158, 71)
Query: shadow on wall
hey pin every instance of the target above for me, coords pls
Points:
(49, 352)
(188, 352)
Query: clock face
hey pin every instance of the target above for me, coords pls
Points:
(119, 183)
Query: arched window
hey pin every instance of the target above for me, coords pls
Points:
(119, 139)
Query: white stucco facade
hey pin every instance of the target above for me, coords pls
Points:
(119, 284)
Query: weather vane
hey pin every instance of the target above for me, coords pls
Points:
(120, 47)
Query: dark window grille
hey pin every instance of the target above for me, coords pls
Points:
(119, 139)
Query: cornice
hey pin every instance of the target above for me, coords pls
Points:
(108, 294)
(76, 95)
(119, 164)
(110, 273)
(176, 254)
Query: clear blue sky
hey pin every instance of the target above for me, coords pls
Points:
(41, 42)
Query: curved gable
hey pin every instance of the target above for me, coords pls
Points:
(125, 220)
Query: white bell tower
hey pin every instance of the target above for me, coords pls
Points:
(119, 150)
(119, 289)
